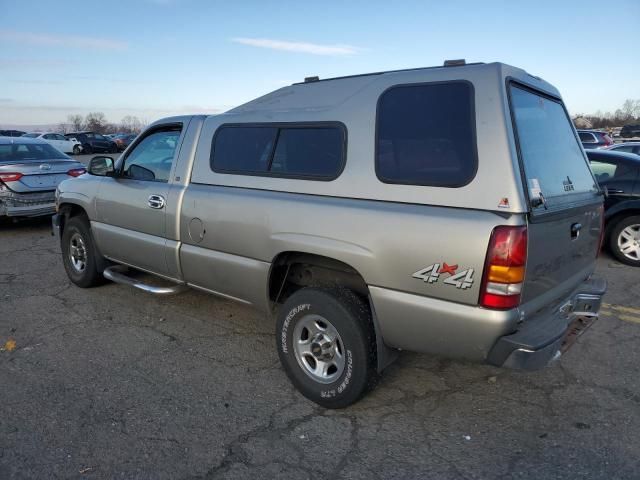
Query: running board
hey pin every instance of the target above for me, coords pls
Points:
(116, 274)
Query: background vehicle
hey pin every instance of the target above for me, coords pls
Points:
(30, 171)
(299, 204)
(594, 139)
(11, 133)
(123, 140)
(630, 131)
(628, 147)
(619, 172)
(93, 142)
(62, 143)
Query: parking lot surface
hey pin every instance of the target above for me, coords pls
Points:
(114, 383)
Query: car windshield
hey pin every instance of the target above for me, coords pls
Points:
(29, 151)
(31, 135)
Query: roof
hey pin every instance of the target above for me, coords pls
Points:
(347, 92)
(612, 155)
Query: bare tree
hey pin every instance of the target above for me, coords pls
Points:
(131, 124)
(96, 122)
(76, 122)
(63, 128)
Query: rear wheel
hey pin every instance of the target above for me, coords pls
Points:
(625, 240)
(326, 344)
(79, 254)
(77, 149)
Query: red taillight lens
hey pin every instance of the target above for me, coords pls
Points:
(76, 172)
(504, 268)
(10, 177)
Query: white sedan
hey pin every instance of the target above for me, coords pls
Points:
(65, 145)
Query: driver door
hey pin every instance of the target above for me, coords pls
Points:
(131, 205)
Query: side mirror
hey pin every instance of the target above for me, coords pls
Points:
(101, 166)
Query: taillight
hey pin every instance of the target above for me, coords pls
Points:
(608, 140)
(10, 177)
(504, 268)
(76, 172)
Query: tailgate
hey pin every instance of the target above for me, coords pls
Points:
(566, 214)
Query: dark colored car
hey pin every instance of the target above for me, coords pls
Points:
(124, 140)
(94, 142)
(630, 131)
(11, 133)
(619, 172)
(594, 139)
(629, 147)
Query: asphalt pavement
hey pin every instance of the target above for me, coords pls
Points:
(111, 382)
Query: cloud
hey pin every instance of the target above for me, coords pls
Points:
(64, 41)
(299, 47)
(11, 63)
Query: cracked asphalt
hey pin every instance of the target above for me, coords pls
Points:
(113, 383)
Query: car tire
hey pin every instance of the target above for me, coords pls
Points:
(326, 344)
(82, 261)
(77, 149)
(624, 240)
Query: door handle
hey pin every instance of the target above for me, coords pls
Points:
(156, 201)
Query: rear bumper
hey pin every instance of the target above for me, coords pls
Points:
(27, 204)
(550, 332)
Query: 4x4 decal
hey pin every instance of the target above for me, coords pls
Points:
(432, 273)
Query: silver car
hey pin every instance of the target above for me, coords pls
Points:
(30, 171)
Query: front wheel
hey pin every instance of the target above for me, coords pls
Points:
(79, 255)
(625, 240)
(326, 345)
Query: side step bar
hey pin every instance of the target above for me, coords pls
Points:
(116, 274)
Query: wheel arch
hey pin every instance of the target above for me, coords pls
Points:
(291, 270)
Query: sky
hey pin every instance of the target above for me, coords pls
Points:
(155, 58)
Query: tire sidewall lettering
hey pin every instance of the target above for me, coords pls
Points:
(287, 321)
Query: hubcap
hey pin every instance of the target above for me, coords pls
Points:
(629, 242)
(318, 348)
(77, 253)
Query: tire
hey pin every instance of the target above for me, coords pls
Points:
(77, 149)
(624, 240)
(80, 257)
(348, 353)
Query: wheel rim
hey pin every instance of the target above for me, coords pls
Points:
(77, 253)
(318, 348)
(629, 242)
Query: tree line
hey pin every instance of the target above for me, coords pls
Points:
(629, 113)
(97, 122)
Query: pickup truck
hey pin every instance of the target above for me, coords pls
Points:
(448, 210)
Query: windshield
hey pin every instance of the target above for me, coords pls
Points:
(31, 135)
(556, 169)
(26, 151)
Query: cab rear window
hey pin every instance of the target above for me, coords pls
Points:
(556, 170)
